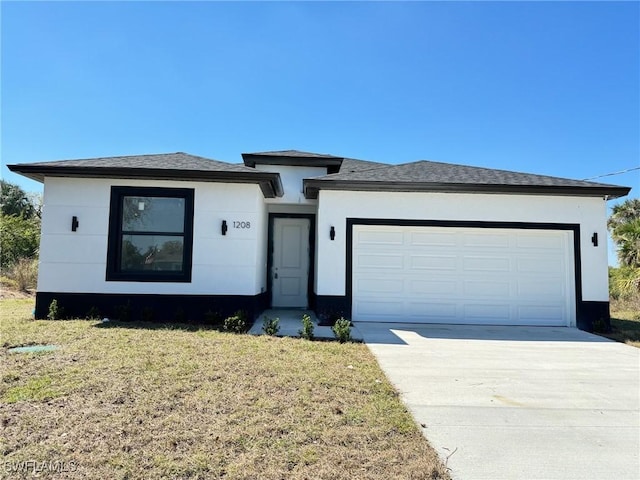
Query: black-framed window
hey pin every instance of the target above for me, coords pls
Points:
(150, 234)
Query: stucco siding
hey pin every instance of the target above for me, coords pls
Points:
(76, 261)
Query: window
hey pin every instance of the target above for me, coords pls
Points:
(150, 234)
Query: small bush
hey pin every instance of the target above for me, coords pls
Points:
(342, 330)
(600, 326)
(213, 318)
(270, 326)
(55, 310)
(24, 273)
(307, 327)
(93, 313)
(123, 312)
(236, 323)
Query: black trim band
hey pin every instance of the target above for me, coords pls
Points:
(160, 308)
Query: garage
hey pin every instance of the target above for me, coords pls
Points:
(449, 274)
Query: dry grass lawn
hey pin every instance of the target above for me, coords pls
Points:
(143, 401)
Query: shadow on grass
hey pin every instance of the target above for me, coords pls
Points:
(624, 330)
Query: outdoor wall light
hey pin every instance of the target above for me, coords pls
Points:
(332, 233)
(74, 223)
(594, 239)
(224, 227)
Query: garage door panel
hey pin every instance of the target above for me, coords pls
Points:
(540, 314)
(487, 264)
(432, 239)
(550, 289)
(380, 260)
(481, 288)
(378, 308)
(433, 262)
(463, 275)
(549, 266)
(497, 312)
(486, 240)
(539, 241)
(432, 311)
(433, 287)
(377, 237)
(377, 285)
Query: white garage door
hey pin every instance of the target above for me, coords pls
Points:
(463, 275)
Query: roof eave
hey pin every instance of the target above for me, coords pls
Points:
(312, 187)
(251, 160)
(269, 182)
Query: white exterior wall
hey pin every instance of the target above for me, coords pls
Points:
(291, 178)
(336, 206)
(75, 262)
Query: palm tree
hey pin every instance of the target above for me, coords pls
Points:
(624, 224)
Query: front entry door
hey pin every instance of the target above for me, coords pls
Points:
(290, 270)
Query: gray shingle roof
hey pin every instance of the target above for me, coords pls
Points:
(436, 176)
(352, 174)
(165, 166)
(163, 161)
(353, 165)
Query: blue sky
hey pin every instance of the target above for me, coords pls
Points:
(545, 87)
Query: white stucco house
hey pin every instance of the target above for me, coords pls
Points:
(417, 242)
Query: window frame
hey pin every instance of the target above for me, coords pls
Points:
(115, 236)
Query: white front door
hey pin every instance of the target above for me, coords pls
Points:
(290, 270)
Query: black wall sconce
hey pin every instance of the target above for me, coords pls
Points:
(594, 239)
(332, 233)
(74, 223)
(224, 227)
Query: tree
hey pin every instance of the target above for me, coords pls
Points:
(19, 238)
(16, 202)
(624, 224)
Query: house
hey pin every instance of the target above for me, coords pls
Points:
(417, 242)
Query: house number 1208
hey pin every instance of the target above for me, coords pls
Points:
(241, 224)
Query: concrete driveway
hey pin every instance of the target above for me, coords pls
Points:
(517, 402)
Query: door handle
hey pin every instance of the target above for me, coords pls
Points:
(276, 275)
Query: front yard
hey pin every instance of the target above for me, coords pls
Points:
(127, 400)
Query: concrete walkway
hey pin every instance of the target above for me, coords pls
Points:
(530, 403)
(291, 322)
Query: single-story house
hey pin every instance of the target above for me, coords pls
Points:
(417, 242)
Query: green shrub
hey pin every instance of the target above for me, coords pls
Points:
(307, 327)
(600, 326)
(19, 238)
(342, 330)
(236, 323)
(123, 312)
(93, 313)
(55, 310)
(213, 318)
(270, 326)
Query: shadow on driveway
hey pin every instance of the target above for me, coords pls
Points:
(404, 333)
